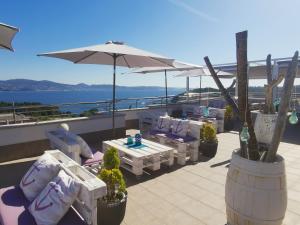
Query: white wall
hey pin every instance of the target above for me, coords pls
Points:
(22, 133)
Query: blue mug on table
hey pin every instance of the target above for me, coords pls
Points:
(129, 140)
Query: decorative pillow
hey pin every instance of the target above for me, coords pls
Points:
(55, 200)
(38, 176)
(163, 124)
(213, 112)
(199, 110)
(85, 150)
(180, 127)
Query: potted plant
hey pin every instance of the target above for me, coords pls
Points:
(208, 140)
(228, 118)
(265, 121)
(111, 208)
(255, 190)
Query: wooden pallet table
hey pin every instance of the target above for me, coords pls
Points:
(150, 155)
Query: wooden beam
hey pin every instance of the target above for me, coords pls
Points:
(242, 77)
(223, 90)
(283, 108)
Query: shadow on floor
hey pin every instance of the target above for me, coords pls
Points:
(221, 163)
(132, 180)
(11, 174)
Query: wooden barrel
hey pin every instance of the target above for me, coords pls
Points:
(255, 192)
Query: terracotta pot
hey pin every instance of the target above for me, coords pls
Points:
(255, 192)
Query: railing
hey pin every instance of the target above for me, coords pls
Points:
(33, 113)
(40, 112)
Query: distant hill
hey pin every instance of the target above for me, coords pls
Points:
(45, 85)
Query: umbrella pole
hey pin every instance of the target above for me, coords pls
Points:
(166, 89)
(200, 90)
(114, 97)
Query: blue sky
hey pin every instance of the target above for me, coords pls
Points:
(186, 30)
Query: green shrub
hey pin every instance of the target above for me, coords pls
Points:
(208, 133)
(112, 176)
(111, 159)
(228, 113)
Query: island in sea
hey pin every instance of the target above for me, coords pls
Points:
(46, 85)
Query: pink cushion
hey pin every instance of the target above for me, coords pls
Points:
(55, 200)
(97, 159)
(14, 209)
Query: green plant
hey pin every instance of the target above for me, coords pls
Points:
(112, 176)
(228, 115)
(208, 133)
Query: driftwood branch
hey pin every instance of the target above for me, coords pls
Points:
(232, 85)
(272, 83)
(242, 77)
(223, 90)
(283, 108)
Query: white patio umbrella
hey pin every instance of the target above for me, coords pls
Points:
(258, 68)
(177, 66)
(7, 34)
(112, 53)
(204, 71)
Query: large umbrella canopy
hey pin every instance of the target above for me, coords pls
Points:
(125, 56)
(112, 53)
(258, 69)
(7, 34)
(204, 71)
(177, 66)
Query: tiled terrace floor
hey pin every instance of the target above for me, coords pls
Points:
(194, 194)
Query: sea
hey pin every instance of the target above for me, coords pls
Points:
(66, 99)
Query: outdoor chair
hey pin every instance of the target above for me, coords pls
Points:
(71, 144)
(177, 133)
(215, 116)
(14, 205)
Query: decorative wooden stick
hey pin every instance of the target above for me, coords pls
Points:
(242, 77)
(283, 108)
(269, 107)
(223, 90)
(229, 100)
(232, 85)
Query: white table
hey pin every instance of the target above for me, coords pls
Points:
(151, 156)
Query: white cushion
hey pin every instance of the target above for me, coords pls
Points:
(213, 112)
(38, 176)
(180, 127)
(163, 124)
(199, 110)
(85, 150)
(55, 200)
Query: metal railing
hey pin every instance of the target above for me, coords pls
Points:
(41, 112)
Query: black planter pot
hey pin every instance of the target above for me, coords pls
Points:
(209, 149)
(111, 213)
(228, 125)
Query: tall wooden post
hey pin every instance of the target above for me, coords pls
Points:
(242, 77)
(269, 88)
(283, 108)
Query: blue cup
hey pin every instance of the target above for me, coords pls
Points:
(129, 140)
